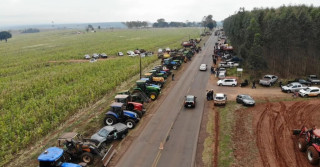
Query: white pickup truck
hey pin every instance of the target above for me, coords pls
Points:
(268, 80)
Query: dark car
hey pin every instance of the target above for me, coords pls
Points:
(110, 133)
(246, 100)
(190, 101)
(302, 81)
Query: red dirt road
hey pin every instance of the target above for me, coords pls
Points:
(269, 141)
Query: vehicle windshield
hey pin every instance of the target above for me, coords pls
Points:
(219, 98)
(266, 77)
(289, 85)
(307, 90)
(103, 133)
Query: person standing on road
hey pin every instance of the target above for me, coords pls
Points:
(253, 84)
(172, 77)
(207, 94)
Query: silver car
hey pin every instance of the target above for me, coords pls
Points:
(246, 100)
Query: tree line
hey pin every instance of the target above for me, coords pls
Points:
(283, 41)
(30, 30)
(161, 23)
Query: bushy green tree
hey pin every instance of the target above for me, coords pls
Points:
(5, 35)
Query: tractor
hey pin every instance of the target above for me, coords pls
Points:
(135, 97)
(158, 73)
(54, 157)
(146, 90)
(309, 140)
(162, 69)
(117, 113)
(151, 79)
(76, 147)
(169, 63)
(129, 105)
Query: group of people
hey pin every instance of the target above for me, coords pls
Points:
(210, 94)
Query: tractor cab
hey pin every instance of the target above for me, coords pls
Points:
(130, 105)
(53, 157)
(117, 108)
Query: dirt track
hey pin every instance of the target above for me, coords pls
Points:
(269, 141)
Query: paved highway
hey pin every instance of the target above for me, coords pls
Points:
(170, 137)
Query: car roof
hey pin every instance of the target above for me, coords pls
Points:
(295, 83)
(203, 64)
(108, 128)
(313, 87)
(190, 96)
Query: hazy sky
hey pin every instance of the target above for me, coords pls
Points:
(17, 12)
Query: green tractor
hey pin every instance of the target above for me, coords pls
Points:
(146, 90)
(157, 73)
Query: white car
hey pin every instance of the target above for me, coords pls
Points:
(310, 91)
(227, 82)
(203, 67)
(293, 87)
(87, 56)
(232, 64)
(222, 75)
(131, 53)
(120, 54)
(220, 99)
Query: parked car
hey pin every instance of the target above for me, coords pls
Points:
(120, 54)
(221, 69)
(103, 55)
(224, 65)
(87, 57)
(131, 53)
(203, 67)
(293, 87)
(190, 101)
(95, 56)
(109, 133)
(268, 80)
(222, 75)
(302, 81)
(227, 82)
(232, 64)
(314, 79)
(246, 100)
(309, 92)
(220, 99)
(93, 60)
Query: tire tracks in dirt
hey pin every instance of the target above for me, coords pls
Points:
(259, 133)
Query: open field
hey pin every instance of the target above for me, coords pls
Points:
(36, 96)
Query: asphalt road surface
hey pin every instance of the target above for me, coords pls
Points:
(170, 137)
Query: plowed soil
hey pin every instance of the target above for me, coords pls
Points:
(263, 134)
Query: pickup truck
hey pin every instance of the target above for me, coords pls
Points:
(293, 87)
(268, 80)
(313, 79)
(109, 133)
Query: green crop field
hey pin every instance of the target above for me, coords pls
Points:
(37, 95)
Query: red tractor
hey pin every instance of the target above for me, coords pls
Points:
(129, 105)
(309, 140)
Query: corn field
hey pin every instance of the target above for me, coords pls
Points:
(37, 95)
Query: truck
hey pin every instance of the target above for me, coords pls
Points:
(109, 133)
(313, 79)
(268, 80)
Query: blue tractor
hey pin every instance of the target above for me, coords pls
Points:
(54, 157)
(170, 63)
(117, 113)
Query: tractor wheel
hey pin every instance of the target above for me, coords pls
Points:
(139, 113)
(313, 155)
(153, 96)
(130, 107)
(87, 157)
(110, 120)
(302, 144)
(174, 67)
(130, 123)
